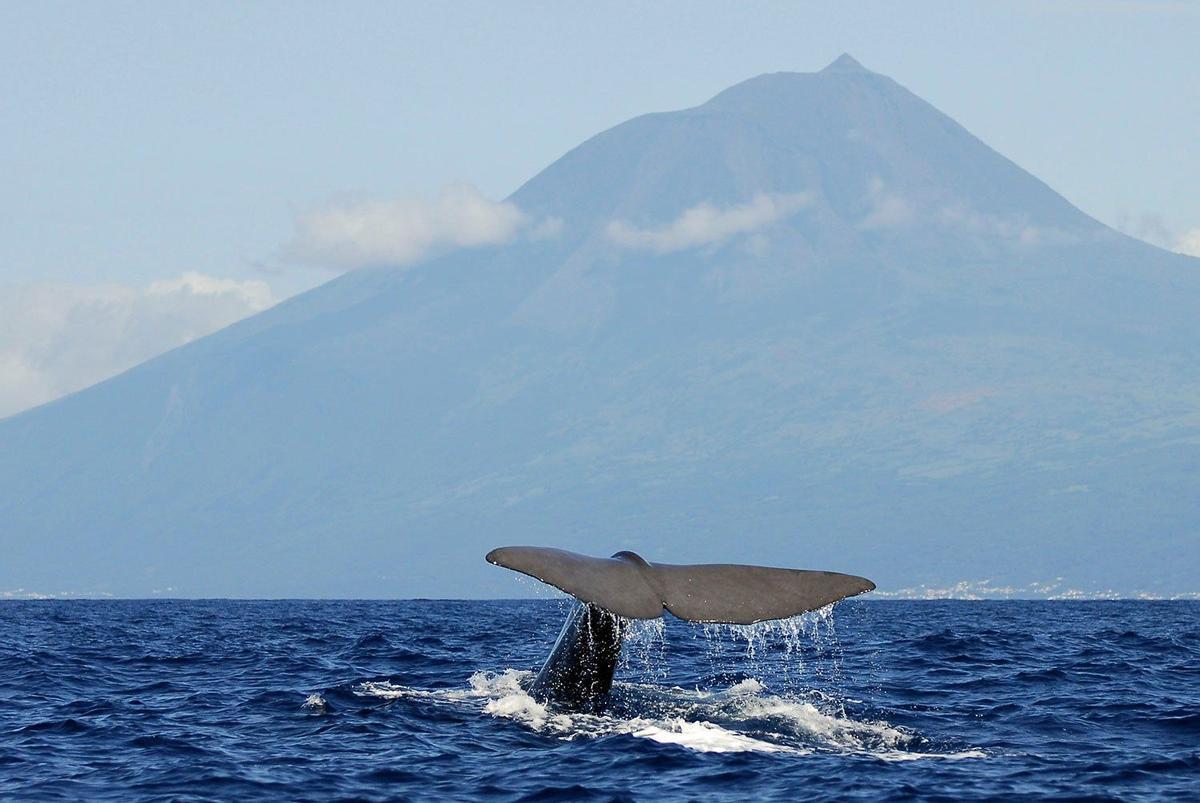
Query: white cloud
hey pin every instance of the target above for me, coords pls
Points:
(1015, 230)
(1188, 243)
(1149, 227)
(706, 224)
(548, 229)
(404, 230)
(888, 209)
(56, 338)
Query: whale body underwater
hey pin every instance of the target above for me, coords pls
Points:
(578, 673)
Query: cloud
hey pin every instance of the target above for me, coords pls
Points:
(1151, 228)
(1188, 243)
(706, 224)
(548, 229)
(56, 338)
(888, 209)
(1014, 230)
(403, 231)
(1148, 227)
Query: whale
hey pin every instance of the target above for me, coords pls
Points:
(577, 675)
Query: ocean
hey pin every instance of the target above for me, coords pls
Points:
(424, 700)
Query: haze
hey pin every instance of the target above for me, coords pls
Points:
(808, 314)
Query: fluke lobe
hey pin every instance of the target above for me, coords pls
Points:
(578, 673)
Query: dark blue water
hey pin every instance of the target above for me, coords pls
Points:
(422, 700)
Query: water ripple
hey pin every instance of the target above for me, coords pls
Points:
(220, 700)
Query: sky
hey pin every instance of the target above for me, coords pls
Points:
(171, 167)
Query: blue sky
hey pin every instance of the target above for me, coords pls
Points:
(177, 144)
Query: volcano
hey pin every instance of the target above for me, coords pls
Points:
(811, 322)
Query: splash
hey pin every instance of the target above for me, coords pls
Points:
(705, 737)
(794, 635)
(315, 704)
(799, 648)
(744, 717)
(644, 649)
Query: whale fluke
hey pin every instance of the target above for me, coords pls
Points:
(727, 593)
(742, 595)
(615, 584)
(578, 673)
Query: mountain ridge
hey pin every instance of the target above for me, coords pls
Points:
(818, 311)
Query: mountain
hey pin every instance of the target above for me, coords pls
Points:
(812, 322)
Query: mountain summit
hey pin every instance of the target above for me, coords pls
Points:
(875, 161)
(845, 63)
(812, 321)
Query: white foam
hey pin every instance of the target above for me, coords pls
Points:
(515, 704)
(809, 720)
(489, 684)
(747, 686)
(508, 700)
(387, 690)
(520, 707)
(700, 720)
(908, 755)
(705, 737)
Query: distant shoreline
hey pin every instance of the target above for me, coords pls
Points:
(885, 597)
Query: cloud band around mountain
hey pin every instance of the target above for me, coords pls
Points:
(56, 338)
(1188, 243)
(405, 230)
(706, 224)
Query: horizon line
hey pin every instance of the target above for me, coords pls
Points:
(1190, 596)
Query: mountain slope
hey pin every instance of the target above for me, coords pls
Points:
(811, 322)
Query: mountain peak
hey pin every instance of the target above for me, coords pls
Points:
(813, 312)
(845, 63)
(838, 134)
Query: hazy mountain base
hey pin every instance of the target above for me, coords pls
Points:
(920, 365)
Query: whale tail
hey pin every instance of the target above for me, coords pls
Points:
(578, 673)
(628, 586)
